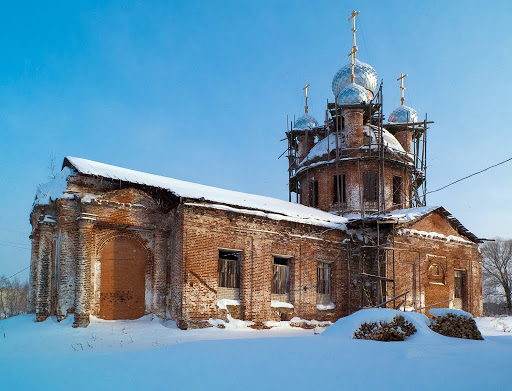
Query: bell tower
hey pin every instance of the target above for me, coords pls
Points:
(355, 164)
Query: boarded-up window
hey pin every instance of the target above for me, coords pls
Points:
(371, 186)
(323, 278)
(313, 193)
(339, 192)
(460, 284)
(229, 276)
(281, 276)
(460, 288)
(397, 190)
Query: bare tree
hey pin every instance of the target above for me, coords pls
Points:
(52, 166)
(497, 270)
(13, 297)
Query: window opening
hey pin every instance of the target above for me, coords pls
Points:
(228, 268)
(281, 276)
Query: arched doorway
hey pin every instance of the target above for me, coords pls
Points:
(122, 287)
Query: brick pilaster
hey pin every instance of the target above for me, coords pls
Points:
(32, 283)
(354, 127)
(83, 271)
(44, 273)
(160, 274)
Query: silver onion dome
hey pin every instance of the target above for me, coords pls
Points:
(366, 76)
(305, 122)
(403, 114)
(353, 94)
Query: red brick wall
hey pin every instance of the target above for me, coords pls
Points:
(205, 231)
(422, 253)
(354, 174)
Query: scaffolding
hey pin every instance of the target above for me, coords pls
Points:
(371, 258)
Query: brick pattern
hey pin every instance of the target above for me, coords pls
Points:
(44, 271)
(122, 283)
(180, 244)
(207, 230)
(414, 267)
(354, 180)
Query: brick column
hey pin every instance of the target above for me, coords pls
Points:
(160, 275)
(353, 127)
(404, 137)
(44, 272)
(83, 271)
(32, 283)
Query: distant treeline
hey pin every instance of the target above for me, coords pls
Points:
(13, 297)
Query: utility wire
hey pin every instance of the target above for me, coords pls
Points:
(18, 272)
(469, 176)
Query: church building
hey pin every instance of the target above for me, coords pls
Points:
(116, 243)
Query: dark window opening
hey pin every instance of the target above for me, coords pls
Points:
(371, 186)
(313, 193)
(460, 284)
(397, 190)
(323, 274)
(339, 188)
(281, 276)
(228, 268)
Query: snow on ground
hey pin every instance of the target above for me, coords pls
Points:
(151, 353)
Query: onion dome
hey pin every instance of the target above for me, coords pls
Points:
(305, 122)
(366, 77)
(403, 114)
(353, 94)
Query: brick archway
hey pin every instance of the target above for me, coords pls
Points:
(122, 284)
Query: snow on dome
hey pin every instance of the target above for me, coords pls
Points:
(366, 76)
(353, 94)
(305, 122)
(403, 114)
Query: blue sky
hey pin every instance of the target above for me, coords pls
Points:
(200, 91)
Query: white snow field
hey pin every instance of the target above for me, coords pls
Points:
(150, 353)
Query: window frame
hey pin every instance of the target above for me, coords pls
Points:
(324, 288)
(371, 186)
(342, 187)
(224, 265)
(397, 190)
(313, 193)
(274, 289)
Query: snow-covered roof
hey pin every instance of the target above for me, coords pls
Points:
(328, 144)
(403, 216)
(188, 190)
(409, 214)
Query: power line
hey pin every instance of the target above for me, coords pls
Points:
(14, 246)
(18, 272)
(469, 176)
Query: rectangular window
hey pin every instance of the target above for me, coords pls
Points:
(397, 190)
(313, 193)
(338, 182)
(371, 186)
(323, 278)
(228, 268)
(460, 282)
(281, 276)
(460, 290)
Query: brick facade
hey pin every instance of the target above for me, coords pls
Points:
(120, 250)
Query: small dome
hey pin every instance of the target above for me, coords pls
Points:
(366, 76)
(353, 94)
(305, 122)
(403, 114)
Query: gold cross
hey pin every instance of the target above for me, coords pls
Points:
(354, 47)
(306, 106)
(352, 54)
(402, 88)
